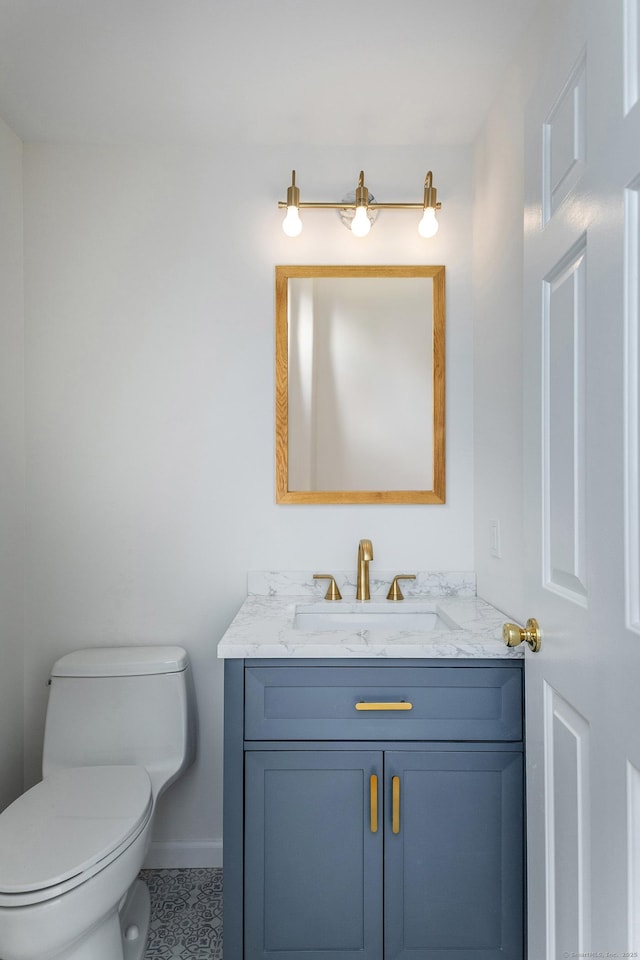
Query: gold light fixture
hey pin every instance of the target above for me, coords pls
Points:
(359, 213)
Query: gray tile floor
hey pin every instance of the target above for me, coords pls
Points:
(186, 914)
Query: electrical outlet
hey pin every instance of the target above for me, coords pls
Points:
(495, 548)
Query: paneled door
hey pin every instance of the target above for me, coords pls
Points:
(582, 502)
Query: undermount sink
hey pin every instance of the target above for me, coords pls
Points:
(371, 615)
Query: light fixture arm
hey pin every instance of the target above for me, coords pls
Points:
(362, 193)
(430, 193)
(293, 193)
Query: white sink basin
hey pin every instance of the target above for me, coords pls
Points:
(371, 615)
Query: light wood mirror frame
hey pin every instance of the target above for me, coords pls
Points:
(436, 495)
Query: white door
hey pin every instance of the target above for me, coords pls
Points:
(582, 516)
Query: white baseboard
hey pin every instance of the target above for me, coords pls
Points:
(165, 855)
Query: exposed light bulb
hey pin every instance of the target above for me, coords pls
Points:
(428, 226)
(292, 224)
(360, 225)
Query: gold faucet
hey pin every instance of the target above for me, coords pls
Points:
(365, 554)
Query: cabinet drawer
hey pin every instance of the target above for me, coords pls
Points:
(335, 703)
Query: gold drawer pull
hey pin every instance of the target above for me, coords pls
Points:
(401, 705)
(395, 805)
(373, 802)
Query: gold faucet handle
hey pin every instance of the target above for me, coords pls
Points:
(395, 593)
(332, 590)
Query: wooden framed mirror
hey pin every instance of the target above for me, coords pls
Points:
(360, 384)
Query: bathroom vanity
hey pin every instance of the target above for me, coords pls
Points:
(373, 785)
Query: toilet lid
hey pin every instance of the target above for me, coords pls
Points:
(68, 822)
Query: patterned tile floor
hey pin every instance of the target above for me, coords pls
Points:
(186, 914)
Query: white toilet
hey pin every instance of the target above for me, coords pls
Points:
(120, 728)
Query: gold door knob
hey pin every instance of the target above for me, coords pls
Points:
(512, 635)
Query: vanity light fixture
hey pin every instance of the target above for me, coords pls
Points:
(359, 213)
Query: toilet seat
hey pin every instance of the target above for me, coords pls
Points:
(69, 827)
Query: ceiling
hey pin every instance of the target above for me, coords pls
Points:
(337, 72)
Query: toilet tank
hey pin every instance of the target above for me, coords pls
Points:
(122, 705)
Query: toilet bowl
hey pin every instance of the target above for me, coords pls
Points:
(71, 847)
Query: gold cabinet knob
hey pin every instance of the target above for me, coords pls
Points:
(513, 635)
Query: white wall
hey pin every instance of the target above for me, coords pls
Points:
(150, 404)
(497, 271)
(11, 467)
(499, 366)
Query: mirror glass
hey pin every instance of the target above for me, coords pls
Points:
(360, 384)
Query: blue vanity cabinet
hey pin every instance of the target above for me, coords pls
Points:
(350, 828)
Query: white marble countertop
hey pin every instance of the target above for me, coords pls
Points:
(264, 626)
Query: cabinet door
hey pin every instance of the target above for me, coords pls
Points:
(454, 871)
(308, 836)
